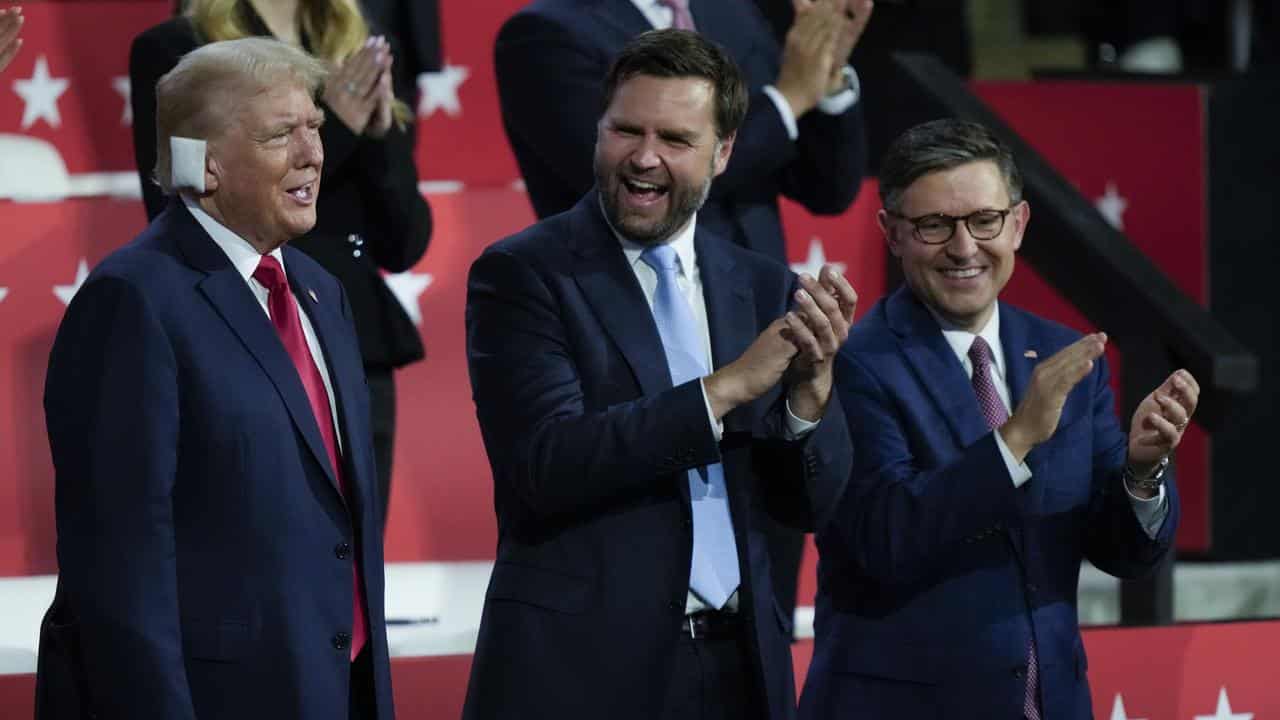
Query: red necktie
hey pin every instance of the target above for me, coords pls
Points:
(284, 316)
(681, 19)
(994, 411)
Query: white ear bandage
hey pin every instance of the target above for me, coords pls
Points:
(187, 163)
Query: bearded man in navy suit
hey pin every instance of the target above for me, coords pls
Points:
(647, 391)
(989, 464)
(219, 548)
(802, 138)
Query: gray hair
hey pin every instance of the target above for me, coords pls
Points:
(943, 145)
(195, 98)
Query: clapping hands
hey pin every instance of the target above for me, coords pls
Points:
(359, 90)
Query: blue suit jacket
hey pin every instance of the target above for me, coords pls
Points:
(935, 571)
(589, 444)
(204, 549)
(551, 59)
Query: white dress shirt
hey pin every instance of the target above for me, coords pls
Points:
(661, 17)
(245, 258)
(1150, 512)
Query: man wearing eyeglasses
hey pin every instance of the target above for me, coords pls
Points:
(988, 463)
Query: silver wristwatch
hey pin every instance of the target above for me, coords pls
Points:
(1152, 481)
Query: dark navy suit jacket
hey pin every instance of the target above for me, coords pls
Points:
(589, 444)
(935, 570)
(551, 59)
(204, 549)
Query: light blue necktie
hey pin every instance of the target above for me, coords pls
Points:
(714, 573)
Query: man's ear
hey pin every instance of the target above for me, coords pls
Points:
(212, 171)
(890, 238)
(1021, 216)
(724, 148)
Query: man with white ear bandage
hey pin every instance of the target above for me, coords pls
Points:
(218, 540)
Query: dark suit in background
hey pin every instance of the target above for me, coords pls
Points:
(205, 553)
(371, 217)
(589, 445)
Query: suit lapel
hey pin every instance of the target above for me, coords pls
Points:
(729, 318)
(226, 290)
(611, 289)
(344, 365)
(621, 17)
(1019, 338)
(936, 366)
(723, 22)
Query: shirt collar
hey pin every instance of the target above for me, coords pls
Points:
(658, 15)
(242, 255)
(681, 242)
(960, 340)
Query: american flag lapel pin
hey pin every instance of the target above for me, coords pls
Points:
(312, 293)
(1031, 354)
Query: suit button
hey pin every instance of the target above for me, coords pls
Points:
(341, 641)
(342, 551)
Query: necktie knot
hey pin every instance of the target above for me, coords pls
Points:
(270, 273)
(980, 354)
(662, 258)
(989, 401)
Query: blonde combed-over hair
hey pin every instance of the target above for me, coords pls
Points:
(197, 97)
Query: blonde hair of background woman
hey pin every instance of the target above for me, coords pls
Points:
(336, 30)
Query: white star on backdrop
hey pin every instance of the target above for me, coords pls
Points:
(1112, 206)
(1117, 710)
(41, 93)
(407, 287)
(816, 259)
(440, 90)
(66, 292)
(1224, 710)
(122, 86)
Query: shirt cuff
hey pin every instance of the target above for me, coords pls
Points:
(798, 427)
(784, 111)
(841, 101)
(1151, 512)
(717, 427)
(1018, 471)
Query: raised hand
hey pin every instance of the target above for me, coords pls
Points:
(383, 113)
(858, 13)
(352, 90)
(758, 369)
(1160, 421)
(10, 24)
(1036, 418)
(808, 53)
(818, 325)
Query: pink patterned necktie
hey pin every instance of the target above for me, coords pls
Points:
(995, 413)
(680, 17)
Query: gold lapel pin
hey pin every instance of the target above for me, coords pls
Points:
(312, 293)
(1028, 354)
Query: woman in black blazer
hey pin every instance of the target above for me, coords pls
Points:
(371, 215)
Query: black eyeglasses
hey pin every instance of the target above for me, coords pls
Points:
(937, 228)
